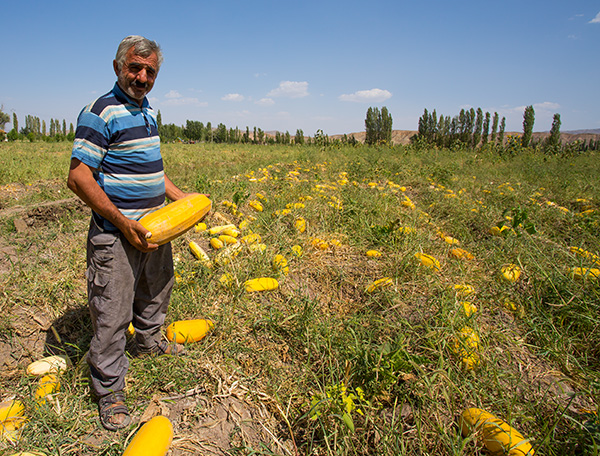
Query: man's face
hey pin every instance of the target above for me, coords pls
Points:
(137, 75)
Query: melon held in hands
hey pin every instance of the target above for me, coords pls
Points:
(174, 219)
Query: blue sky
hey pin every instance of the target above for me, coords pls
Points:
(288, 65)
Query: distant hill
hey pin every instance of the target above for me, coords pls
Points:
(592, 131)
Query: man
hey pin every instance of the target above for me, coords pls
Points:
(117, 170)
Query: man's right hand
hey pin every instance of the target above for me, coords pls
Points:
(136, 235)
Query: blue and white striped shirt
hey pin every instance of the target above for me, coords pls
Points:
(120, 141)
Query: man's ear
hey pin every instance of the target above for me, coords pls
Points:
(116, 67)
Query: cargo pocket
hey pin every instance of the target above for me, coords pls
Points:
(101, 249)
(100, 267)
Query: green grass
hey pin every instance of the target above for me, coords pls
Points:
(321, 330)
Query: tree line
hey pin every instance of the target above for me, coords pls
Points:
(473, 129)
(196, 131)
(36, 129)
(378, 130)
(378, 126)
(469, 128)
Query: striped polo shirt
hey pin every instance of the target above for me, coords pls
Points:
(120, 141)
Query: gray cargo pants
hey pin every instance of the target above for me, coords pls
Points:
(124, 285)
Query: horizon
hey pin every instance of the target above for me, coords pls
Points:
(287, 67)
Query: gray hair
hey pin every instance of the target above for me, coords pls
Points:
(142, 47)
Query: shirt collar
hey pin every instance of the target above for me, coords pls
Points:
(124, 98)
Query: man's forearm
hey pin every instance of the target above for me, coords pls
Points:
(83, 184)
(172, 191)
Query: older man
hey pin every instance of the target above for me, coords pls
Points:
(117, 170)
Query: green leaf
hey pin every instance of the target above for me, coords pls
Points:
(347, 419)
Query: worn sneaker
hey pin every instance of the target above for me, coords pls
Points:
(163, 348)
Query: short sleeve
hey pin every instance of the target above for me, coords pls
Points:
(91, 139)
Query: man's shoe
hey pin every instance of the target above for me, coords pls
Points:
(113, 412)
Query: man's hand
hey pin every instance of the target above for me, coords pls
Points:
(137, 236)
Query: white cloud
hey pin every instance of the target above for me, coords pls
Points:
(372, 95)
(265, 102)
(172, 94)
(182, 101)
(290, 89)
(596, 20)
(233, 97)
(546, 106)
(174, 98)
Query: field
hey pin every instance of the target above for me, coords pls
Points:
(330, 362)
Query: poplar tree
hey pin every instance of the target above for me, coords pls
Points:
(528, 120)
(478, 126)
(494, 128)
(386, 126)
(447, 131)
(423, 124)
(462, 125)
(553, 141)
(209, 132)
(486, 129)
(441, 131)
(15, 123)
(4, 118)
(501, 132)
(471, 124)
(233, 136)
(378, 126)
(432, 127)
(371, 126)
(468, 123)
(221, 135)
(454, 130)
